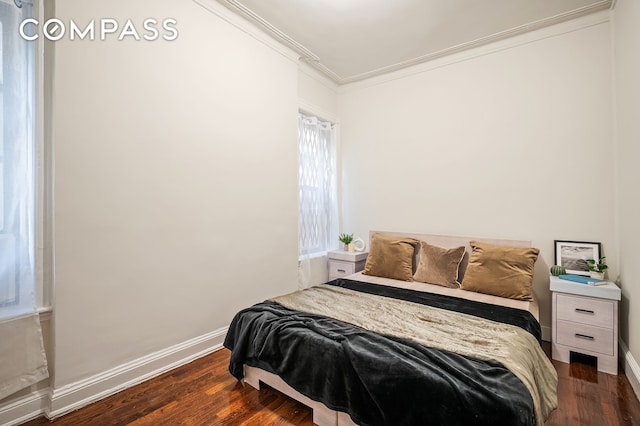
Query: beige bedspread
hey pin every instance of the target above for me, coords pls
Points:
(468, 335)
(531, 306)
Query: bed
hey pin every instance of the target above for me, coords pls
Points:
(381, 348)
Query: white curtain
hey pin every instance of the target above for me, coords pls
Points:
(318, 217)
(22, 355)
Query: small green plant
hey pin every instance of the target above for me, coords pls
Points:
(345, 238)
(599, 266)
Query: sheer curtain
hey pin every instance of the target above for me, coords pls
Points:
(21, 348)
(318, 217)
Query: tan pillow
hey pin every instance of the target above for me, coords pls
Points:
(391, 257)
(500, 271)
(437, 265)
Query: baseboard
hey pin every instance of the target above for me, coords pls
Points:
(631, 368)
(23, 409)
(76, 395)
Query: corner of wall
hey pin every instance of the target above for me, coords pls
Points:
(631, 367)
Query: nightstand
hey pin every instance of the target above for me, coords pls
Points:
(343, 263)
(585, 320)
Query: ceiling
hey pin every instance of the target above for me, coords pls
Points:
(350, 40)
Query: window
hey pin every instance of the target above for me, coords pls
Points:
(2, 190)
(20, 332)
(17, 183)
(318, 218)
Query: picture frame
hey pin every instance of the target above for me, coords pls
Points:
(573, 255)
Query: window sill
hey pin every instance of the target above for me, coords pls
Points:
(44, 312)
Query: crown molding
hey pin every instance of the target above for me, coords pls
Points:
(255, 30)
(323, 69)
(305, 68)
(314, 61)
(533, 26)
(243, 11)
(505, 43)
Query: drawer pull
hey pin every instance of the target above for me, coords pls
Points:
(342, 270)
(584, 336)
(584, 311)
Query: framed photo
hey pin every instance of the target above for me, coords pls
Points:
(573, 255)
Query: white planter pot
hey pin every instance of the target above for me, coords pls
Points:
(596, 275)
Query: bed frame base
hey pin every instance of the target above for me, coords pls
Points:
(322, 415)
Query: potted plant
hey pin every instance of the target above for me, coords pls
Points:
(347, 240)
(597, 268)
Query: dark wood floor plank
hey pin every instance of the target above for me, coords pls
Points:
(204, 393)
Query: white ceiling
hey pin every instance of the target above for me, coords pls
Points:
(349, 40)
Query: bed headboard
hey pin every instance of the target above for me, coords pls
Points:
(447, 241)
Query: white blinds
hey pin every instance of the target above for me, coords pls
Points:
(317, 185)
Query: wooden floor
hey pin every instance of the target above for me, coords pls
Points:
(204, 393)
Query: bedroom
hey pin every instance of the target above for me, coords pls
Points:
(175, 160)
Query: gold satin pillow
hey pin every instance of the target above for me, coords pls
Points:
(437, 265)
(391, 257)
(500, 271)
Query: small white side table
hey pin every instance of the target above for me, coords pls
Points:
(585, 320)
(343, 263)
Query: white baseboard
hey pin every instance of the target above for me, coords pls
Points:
(23, 409)
(631, 368)
(76, 395)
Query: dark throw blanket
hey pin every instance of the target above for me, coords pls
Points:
(381, 379)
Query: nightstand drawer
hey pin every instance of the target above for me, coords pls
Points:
(339, 269)
(580, 336)
(585, 310)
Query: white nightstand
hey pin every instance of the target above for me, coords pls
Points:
(342, 263)
(585, 320)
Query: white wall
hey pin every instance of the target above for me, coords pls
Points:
(175, 183)
(317, 92)
(627, 66)
(512, 140)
